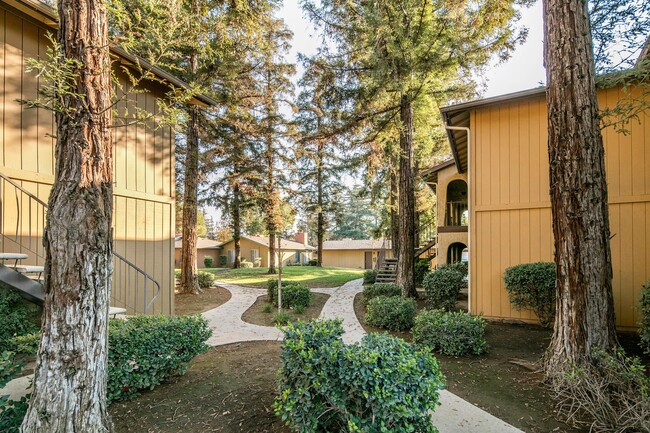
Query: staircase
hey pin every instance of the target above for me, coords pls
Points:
(428, 247)
(22, 222)
(387, 271)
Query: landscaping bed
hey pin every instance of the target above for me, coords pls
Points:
(209, 298)
(257, 315)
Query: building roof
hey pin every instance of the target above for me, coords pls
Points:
(358, 244)
(45, 14)
(430, 175)
(201, 244)
(285, 245)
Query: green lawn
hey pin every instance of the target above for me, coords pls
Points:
(311, 276)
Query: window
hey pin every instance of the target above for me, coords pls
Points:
(231, 256)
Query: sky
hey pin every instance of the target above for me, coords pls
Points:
(524, 70)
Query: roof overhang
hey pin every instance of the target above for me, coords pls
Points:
(430, 175)
(46, 15)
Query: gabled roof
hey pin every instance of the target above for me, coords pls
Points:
(358, 244)
(45, 14)
(285, 244)
(430, 175)
(201, 244)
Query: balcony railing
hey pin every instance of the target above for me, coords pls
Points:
(457, 213)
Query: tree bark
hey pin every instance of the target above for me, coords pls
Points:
(585, 307)
(236, 225)
(189, 281)
(320, 218)
(405, 261)
(272, 251)
(70, 379)
(394, 212)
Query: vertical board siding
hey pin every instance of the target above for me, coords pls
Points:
(143, 166)
(511, 215)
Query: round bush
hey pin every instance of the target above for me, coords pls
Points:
(442, 288)
(391, 312)
(294, 295)
(532, 286)
(380, 289)
(208, 261)
(456, 333)
(206, 279)
(369, 276)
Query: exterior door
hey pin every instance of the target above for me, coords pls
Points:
(368, 261)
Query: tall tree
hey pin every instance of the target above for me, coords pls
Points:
(585, 307)
(386, 56)
(70, 378)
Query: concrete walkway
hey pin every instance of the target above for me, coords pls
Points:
(454, 415)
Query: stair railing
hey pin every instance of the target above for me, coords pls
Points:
(133, 288)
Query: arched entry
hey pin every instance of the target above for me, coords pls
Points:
(455, 252)
(457, 210)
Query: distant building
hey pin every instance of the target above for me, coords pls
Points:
(253, 247)
(204, 248)
(355, 253)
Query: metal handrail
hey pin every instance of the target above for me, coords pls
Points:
(120, 261)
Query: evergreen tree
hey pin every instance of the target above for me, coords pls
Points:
(385, 56)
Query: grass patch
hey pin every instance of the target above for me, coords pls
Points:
(310, 276)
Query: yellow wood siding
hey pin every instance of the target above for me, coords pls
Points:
(510, 204)
(354, 259)
(143, 163)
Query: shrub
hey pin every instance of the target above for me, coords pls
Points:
(422, 267)
(461, 267)
(380, 289)
(205, 279)
(442, 288)
(267, 308)
(27, 344)
(18, 318)
(294, 295)
(245, 264)
(644, 329)
(177, 274)
(223, 261)
(379, 385)
(369, 276)
(313, 262)
(532, 286)
(208, 261)
(272, 289)
(257, 262)
(12, 412)
(455, 333)
(143, 351)
(281, 318)
(391, 312)
(611, 394)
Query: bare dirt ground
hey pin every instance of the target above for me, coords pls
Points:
(210, 298)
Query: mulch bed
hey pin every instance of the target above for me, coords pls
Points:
(209, 298)
(256, 315)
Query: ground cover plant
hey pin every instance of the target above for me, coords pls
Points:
(379, 384)
(18, 318)
(310, 276)
(532, 286)
(450, 333)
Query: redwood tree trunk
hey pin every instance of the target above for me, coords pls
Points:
(189, 282)
(406, 263)
(70, 379)
(394, 212)
(320, 218)
(272, 251)
(585, 307)
(236, 225)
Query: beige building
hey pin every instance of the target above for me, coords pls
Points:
(355, 253)
(204, 248)
(143, 279)
(505, 160)
(253, 247)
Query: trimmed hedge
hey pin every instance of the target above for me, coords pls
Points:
(644, 329)
(457, 333)
(391, 312)
(532, 286)
(143, 351)
(205, 279)
(369, 276)
(381, 384)
(380, 289)
(294, 295)
(442, 288)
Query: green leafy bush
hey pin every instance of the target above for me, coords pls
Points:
(223, 261)
(644, 329)
(206, 279)
(532, 286)
(12, 412)
(461, 267)
(450, 333)
(18, 317)
(381, 384)
(143, 351)
(272, 289)
(208, 261)
(313, 262)
(369, 276)
(380, 289)
(177, 274)
(442, 288)
(422, 267)
(294, 295)
(391, 312)
(27, 344)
